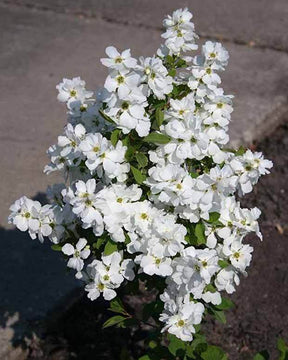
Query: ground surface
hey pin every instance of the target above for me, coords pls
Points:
(43, 41)
(259, 317)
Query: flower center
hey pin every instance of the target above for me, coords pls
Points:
(125, 105)
(120, 79)
(147, 71)
(118, 60)
(100, 286)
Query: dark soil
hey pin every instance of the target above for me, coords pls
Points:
(261, 312)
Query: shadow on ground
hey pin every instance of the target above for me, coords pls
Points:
(33, 279)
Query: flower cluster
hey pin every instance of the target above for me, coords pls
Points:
(151, 188)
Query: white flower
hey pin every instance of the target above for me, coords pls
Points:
(249, 167)
(123, 81)
(194, 269)
(71, 140)
(155, 262)
(112, 202)
(156, 76)
(183, 108)
(118, 61)
(226, 280)
(179, 35)
(212, 297)
(190, 142)
(181, 324)
(142, 215)
(25, 214)
(77, 254)
(72, 90)
(108, 275)
(171, 184)
(169, 235)
(96, 287)
(238, 254)
(220, 108)
(93, 147)
(83, 204)
(130, 113)
(215, 54)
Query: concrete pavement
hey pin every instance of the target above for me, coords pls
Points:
(43, 41)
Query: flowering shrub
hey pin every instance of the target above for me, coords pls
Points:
(151, 191)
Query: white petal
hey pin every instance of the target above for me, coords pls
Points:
(81, 244)
(68, 249)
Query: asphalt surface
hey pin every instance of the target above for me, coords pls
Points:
(43, 41)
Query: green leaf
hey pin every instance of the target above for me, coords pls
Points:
(283, 349)
(172, 72)
(127, 239)
(211, 288)
(262, 355)
(181, 63)
(115, 136)
(241, 151)
(126, 141)
(218, 314)
(117, 306)
(198, 345)
(99, 243)
(56, 247)
(194, 175)
(114, 320)
(152, 344)
(213, 217)
(159, 116)
(138, 176)
(106, 117)
(223, 263)
(226, 304)
(200, 233)
(145, 357)
(213, 353)
(157, 138)
(110, 247)
(141, 159)
(176, 346)
(130, 152)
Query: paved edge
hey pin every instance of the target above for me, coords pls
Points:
(264, 126)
